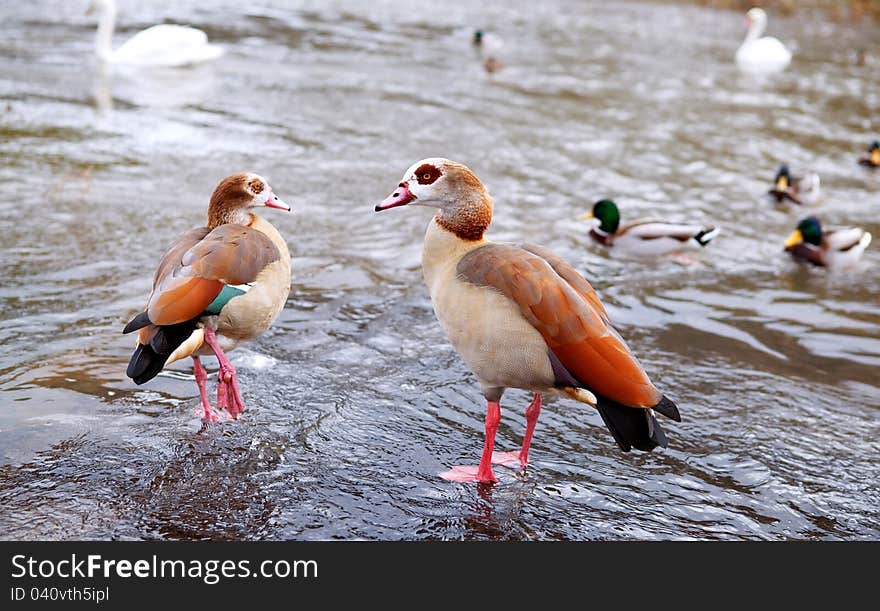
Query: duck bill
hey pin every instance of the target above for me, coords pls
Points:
(794, 239)
(875, 157)
(781, 183)
(273, 201)
(401, 197)
(586, 215)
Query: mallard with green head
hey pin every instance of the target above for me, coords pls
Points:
(801, 190)
(644, 237)
(829, 246)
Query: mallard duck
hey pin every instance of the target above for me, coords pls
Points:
(802, 190)
(644, 237)
(216, 287)
(486, 40)
(492, 65)
(828, 247)
(872, 158)
(521, 317)
(761, 55)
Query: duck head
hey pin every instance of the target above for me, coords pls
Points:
(783, 178)
(478, 38)
(605, 214)
(809, 230)
(463, 203)
(236, 194)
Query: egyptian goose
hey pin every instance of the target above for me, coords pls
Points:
(521, 317)
(872, 158)
(160, 45)
(643, 237)
(216, 287)
(838, 247)
(801, 190)
(761, 55)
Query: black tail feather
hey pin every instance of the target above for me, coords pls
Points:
(149, 359)
(632, 427)
(668, 409)
(145, 364)
(138, 322)
(705, 236)
(169, 337)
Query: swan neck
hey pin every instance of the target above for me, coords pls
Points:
(756, 28)
(106, 25)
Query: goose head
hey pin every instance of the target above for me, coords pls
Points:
(463, 202)
(236, 194)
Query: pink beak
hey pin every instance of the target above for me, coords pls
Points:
(400, 197)
(275, 202)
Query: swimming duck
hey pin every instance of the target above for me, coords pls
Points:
(872, 158)
(762, 55)
(644, 237)
(216, 287)
(521, 317)
(160, 45)
(492, 65)
(827, 247)
(804, 190)
(486, 40)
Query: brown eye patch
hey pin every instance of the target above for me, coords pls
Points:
(256, 186)
(427, 173)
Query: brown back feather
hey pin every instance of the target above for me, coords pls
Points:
(562, 306)
(193, 271)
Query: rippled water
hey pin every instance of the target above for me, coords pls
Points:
(355, 400)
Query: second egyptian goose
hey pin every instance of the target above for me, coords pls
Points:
(216, 287)
(644, 237)
(521, 317)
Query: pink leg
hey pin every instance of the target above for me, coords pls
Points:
(483, 472)
(228, 396)
(510, 459)
(208, 412)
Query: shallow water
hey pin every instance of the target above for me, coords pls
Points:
(355, 400)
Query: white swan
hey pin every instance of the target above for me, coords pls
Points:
(159, 45)
(757, 54)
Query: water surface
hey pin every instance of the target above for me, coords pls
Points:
(355, 400)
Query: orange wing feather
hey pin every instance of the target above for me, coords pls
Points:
(564, 308)
(197, 265)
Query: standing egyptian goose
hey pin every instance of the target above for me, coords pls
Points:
(801, 190)
(644, 237)
(216, 287)
(837, 247)
(521, 317)
(872, 158)
(757, 54)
